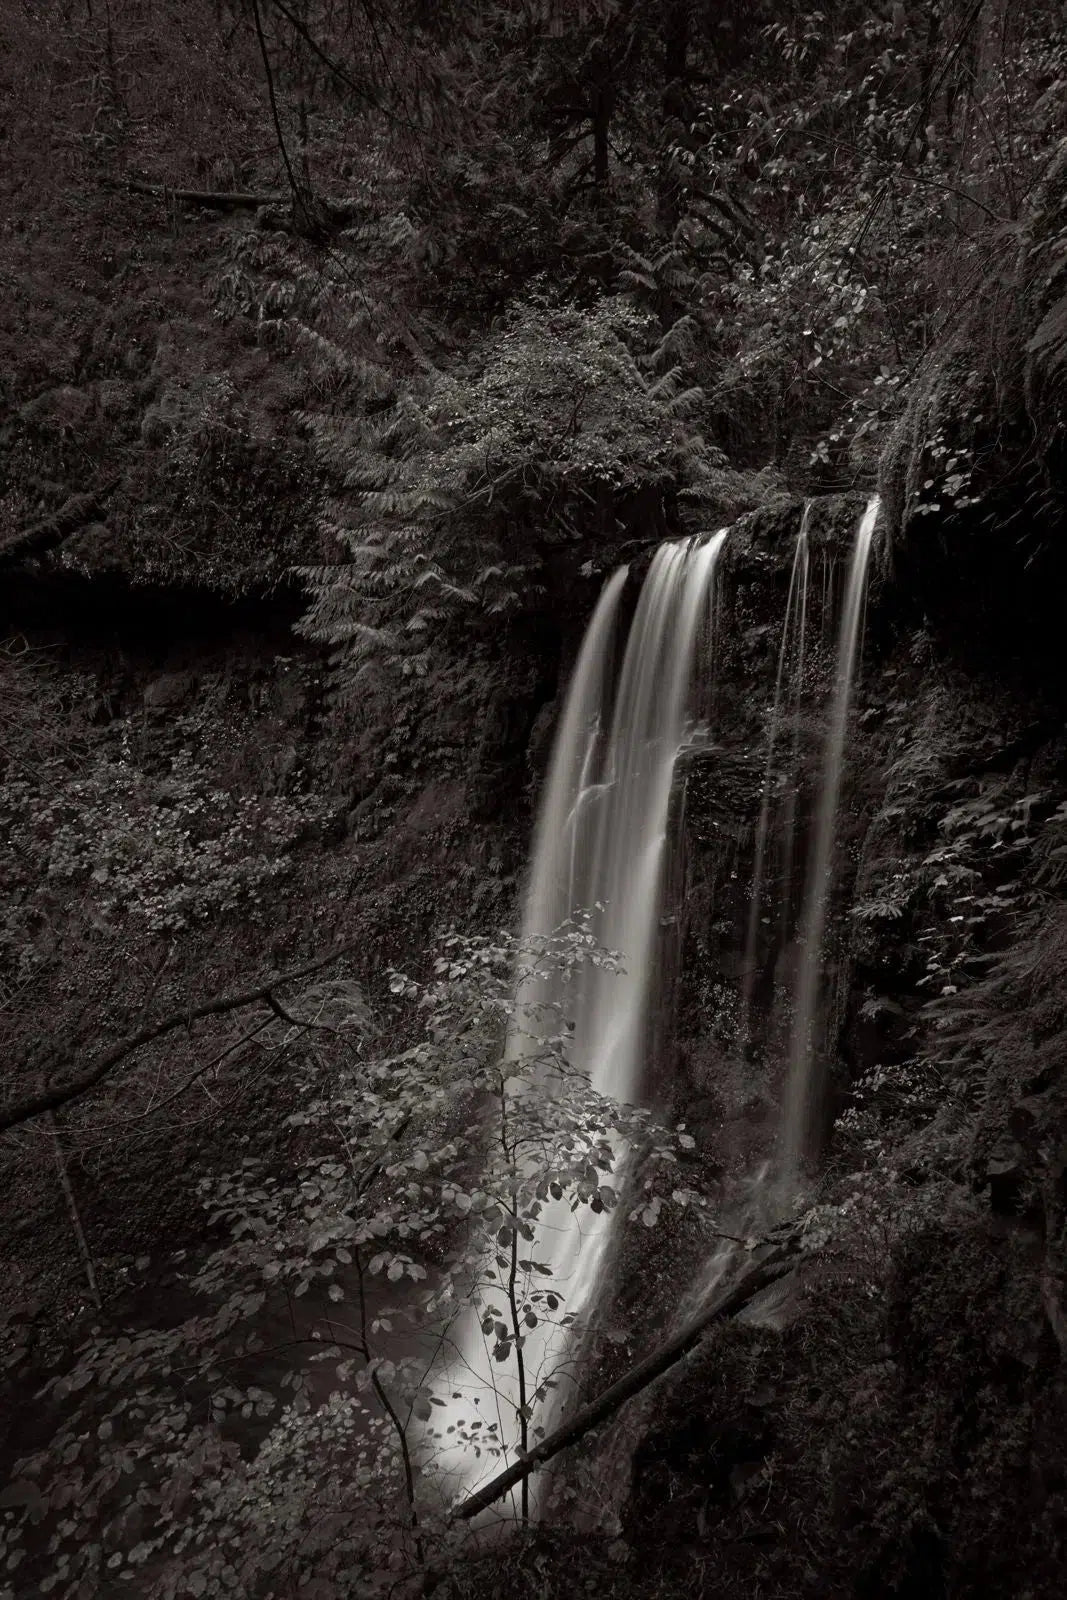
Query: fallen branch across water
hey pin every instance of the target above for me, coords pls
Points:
(726, 1304)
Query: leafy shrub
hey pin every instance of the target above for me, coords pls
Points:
(840, 215)
(458, 490)
(415, 1202)
(159, 854)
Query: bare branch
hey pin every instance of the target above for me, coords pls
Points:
(280, 1011)
(72, 1211)
(54, 1094)
(300, 195)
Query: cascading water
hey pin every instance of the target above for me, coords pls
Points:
(599, 849)
(556, 870)
(796, 1127)
(788, 825)
(768, 1192)
(611, 856)
(791, 651)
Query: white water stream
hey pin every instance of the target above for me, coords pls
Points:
(599, 849)
(768, 1194)
(601, 843)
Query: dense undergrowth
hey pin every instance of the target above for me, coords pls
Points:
(438, 312)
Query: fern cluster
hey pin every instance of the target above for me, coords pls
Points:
(565, 425)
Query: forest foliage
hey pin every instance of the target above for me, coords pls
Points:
(281, 1427)
(799, 206)
(421, 307)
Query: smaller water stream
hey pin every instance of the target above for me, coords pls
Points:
(790, 665)
(796, 1143)
(767, 1195)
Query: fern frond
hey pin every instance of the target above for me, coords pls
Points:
(676, 345)
(424, 617)
(408, 503)
(671, 271)
(637, 280)
(678, 279)
(445, 585)
(364, 635)
(635, 260)
(665, 385)
(685, 400)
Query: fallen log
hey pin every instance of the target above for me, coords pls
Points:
(212, 199)
(319, 207)
(50, 531)
(587, 1417)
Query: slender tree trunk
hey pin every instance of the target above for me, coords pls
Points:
(302, 208)
(673, 107)
(399, 1429)
(601, 131)
(933, 40)
(633, 1382)
(520, 1364)
(675, 53)
(305, 168)
(67, 1188)
(508, 1148)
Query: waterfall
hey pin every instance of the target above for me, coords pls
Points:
(599, 849)
(796, 1130)
(791, 649)
(599, 854)
(768, 1190)
(607, 856)
(556, 872)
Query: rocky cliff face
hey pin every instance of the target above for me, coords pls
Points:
(896, 1417)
